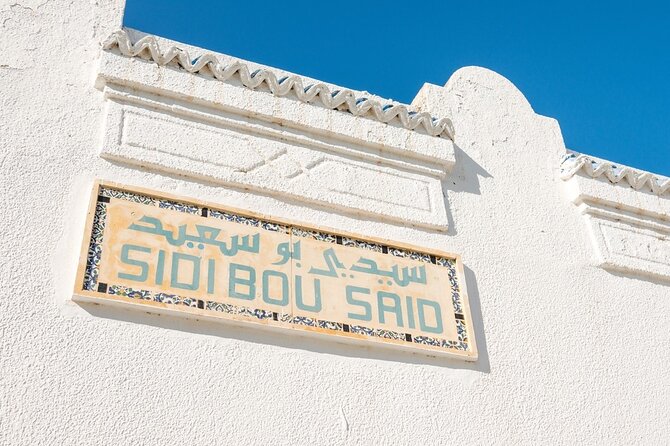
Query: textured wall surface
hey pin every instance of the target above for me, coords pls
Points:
(574, 346)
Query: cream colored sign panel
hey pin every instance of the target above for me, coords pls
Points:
(173, 254)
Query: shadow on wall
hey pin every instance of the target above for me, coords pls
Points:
(463, 178)
(478, 320)
(636, 276)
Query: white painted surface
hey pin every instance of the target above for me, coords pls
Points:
(569, 352)
(354, 175)
(629, 223)
(284, 143)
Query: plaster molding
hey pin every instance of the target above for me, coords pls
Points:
(596, 168)
(637, 247)
(150, 131)
(341, 99)
(629, 226)
(161, 117)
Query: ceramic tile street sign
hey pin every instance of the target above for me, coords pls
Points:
(178, 255)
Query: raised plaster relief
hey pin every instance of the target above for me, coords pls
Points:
(301, 140)
(631, 248)
(628, 211)
(309, 169)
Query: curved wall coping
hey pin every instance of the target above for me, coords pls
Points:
(575, 163)
(344, 99)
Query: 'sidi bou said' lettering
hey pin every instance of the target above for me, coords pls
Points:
(282, 272)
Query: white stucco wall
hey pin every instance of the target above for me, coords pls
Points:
(574, 344)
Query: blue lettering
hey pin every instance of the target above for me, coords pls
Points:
(195, 279)
(283, 300)
(144, 266)
(383, 307)
(249, 282)
(367, 316)
(421, 303)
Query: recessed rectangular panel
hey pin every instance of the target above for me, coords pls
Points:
(259, 156)
(206, 261)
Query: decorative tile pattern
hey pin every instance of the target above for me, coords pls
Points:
(238, 310)
(453, 280)
(165, 298)
(346, 241)
(181, 207)
(455, 291)
(336, 326)
(389, 334)
(410, 254)
(456, 300)
(128, 196)
(359, 329)
(253, 312)
(427, 340)
(221, 307)
(462, 332)
(301, 320)
(189, 302)
(95, 247)
(92, 270)
(321, 236)
(173, 299)
(269, 226)
(448, 263)
(91, 273)
(235, 218)
(378, 332)
(98, 227)
(128, 292)
(449, 344)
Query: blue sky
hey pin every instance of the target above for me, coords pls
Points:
(601, 68)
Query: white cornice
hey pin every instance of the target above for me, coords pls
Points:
(343, 99)
(629, 226)
(161, 116)
(595, 168)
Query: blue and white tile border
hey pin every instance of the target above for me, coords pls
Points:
(94, 252)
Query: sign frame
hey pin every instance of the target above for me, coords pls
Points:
(465, 348)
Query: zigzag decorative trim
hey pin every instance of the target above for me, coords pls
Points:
(637, 179)
(147, 47)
